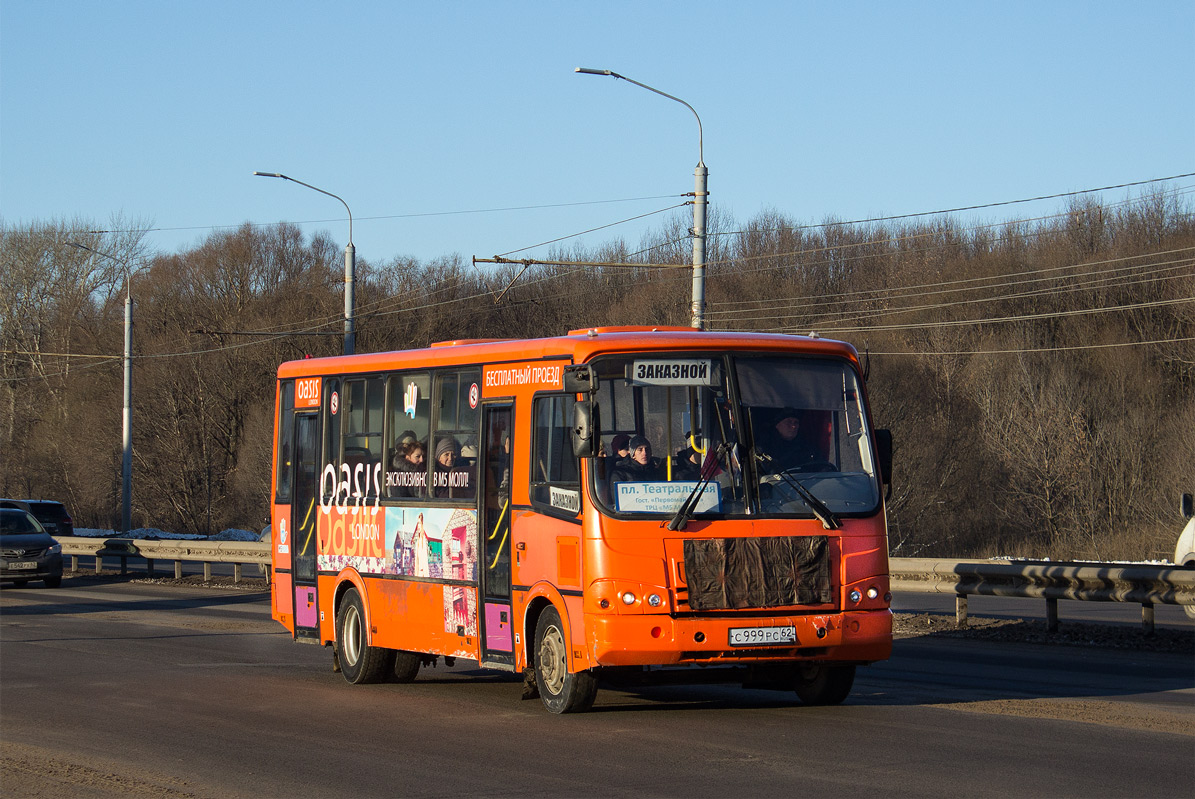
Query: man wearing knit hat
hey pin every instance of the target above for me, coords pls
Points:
(640, 467)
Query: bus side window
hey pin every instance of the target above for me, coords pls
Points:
(555, 477)
(286, 425)
(453, 450)
(408, 403)
(332, 417)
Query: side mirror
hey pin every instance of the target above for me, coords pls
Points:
(585, 431)
(580, 379)
(1188, 506)
(884, 455)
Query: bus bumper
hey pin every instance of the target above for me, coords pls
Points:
(647, 640)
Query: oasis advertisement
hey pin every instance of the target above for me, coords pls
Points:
(431, 543)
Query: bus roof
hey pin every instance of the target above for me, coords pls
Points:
(578, 346)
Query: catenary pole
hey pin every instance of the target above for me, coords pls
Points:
(126, 466)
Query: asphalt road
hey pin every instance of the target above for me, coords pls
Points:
(139, 690)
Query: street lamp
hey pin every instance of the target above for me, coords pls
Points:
(701, 175)
(126, 513)
(350, 262)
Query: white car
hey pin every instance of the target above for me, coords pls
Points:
(1184, 551)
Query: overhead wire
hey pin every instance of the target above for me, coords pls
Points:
(316, 324)
(1025, 350)
(393, 216)
(1087, 281)
(1002, 319)
(738, 261)
(917, 214)
(957, 284)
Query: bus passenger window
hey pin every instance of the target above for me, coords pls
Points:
(285, 426)
(457, 397)
(408, 407)
(555, 477)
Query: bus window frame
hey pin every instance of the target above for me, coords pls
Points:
(437, 431)
(746, 435)
(395, 381)
(284, 441)
(539, 505)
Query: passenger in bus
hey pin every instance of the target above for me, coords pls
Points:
(640, 467)
(609, 458)
(781, 442)
(619, 448)
(411, 468)
(687, 464)
(447, 451)
(451, 478)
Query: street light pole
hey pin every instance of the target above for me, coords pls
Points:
(350, 263)
(126, 513)
(701, 192)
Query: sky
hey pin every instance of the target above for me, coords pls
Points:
(462, 128)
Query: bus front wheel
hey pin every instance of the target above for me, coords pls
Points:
(359, 662)
(560, 690)
(824, 684)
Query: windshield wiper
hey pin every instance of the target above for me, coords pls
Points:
(819, 508)
(681, 518)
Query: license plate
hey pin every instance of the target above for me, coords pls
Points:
(762, 636)
(21, 564)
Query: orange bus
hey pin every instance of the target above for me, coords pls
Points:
(613, 500)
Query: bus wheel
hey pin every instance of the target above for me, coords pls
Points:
(406, 666)
(359, 662)
(822, 684)
(559, 690)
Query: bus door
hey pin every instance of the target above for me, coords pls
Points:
(497, 643)
(304, 512)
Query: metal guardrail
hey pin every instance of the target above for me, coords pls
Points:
(238, 553)
(1147, 585)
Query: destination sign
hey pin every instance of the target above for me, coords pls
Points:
(673, 372)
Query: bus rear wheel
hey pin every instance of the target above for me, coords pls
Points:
(406, 666)
(560, 690)
(359, 662)
(824, 684)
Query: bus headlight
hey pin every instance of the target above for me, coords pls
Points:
(654, 600)
(628, 598)
(854, 596)
(873, 592)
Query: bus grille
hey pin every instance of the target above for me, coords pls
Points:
(735, 573)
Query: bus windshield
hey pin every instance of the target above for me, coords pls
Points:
(736, 434)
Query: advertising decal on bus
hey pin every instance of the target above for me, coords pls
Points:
(434, 543)
(541, 378)
(307, 392)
